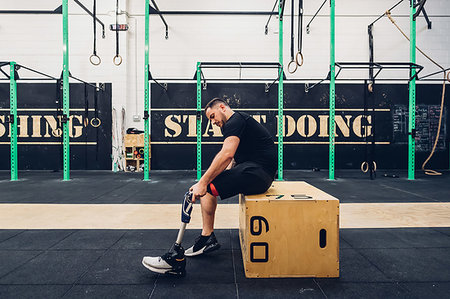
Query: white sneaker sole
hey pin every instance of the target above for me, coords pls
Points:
(157, 270)
(198, 252)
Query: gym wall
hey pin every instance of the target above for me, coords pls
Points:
(195, 38)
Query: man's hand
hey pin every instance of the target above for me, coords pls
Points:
(198, 190)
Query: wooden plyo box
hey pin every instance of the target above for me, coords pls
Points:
(292, 230)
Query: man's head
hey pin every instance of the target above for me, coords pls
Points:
(218, 111)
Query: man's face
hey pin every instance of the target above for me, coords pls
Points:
(217, 115)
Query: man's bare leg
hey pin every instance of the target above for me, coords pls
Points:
(209, 204)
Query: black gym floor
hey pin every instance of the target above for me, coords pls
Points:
(374, 263)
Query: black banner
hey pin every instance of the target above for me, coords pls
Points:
(39, 127)
(361, 117)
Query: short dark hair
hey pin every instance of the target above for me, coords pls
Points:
(215, 102)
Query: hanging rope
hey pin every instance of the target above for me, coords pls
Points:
(446, 76)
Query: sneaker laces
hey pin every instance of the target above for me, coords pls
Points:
(164, 256)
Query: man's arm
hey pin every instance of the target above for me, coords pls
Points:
(220, 162)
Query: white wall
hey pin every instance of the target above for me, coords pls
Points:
(36, 40)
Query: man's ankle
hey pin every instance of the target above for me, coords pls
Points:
(206, 234)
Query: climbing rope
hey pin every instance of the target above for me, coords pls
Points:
(446, 78)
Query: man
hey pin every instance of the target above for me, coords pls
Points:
(247, 145)
(250, 147)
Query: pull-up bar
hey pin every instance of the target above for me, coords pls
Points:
(240, 65)
(17, 67)
(56, 11)
(249, 65)
(373, 65)
(204, 12)
(379, 66)
(432, 74)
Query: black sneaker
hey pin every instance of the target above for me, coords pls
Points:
(203, 244)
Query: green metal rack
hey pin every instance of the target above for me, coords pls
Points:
(332, 91)
(13, 119)
(147, 95)
(199, 121)
(66, 99)
(412, 96)
(280, 91)
(219, 65)
(199, 94)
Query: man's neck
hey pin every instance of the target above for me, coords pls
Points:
(229, 113)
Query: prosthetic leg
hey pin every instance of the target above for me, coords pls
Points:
(173, 262)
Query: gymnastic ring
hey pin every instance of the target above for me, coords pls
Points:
(86, 122)
(448, 76)
(296, 58)
(289, 67)
(115, 60)
(57, 132)
(370, 87)
(92, 59)
(141, 151)
(374, 166)
(96, 122)
(364, 166)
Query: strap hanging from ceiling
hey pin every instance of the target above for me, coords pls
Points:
(299, 55)
(95, 59)
(292, 62)
(117, 59)
(95, 121)
(86, 106)
(296, 59)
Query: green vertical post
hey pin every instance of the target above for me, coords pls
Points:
(199, 122)
(66, 113)
(412, 95)
(332, 91)
(13, 119)
(280, 92)
(147, 94)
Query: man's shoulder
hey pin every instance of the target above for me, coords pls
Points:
(243, 115)
(238, 118)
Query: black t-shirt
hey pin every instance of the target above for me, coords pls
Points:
(255, 144)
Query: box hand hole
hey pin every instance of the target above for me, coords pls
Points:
(323, 238)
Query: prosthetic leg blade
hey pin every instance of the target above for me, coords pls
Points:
(174, 261)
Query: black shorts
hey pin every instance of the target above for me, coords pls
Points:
(247, 178)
